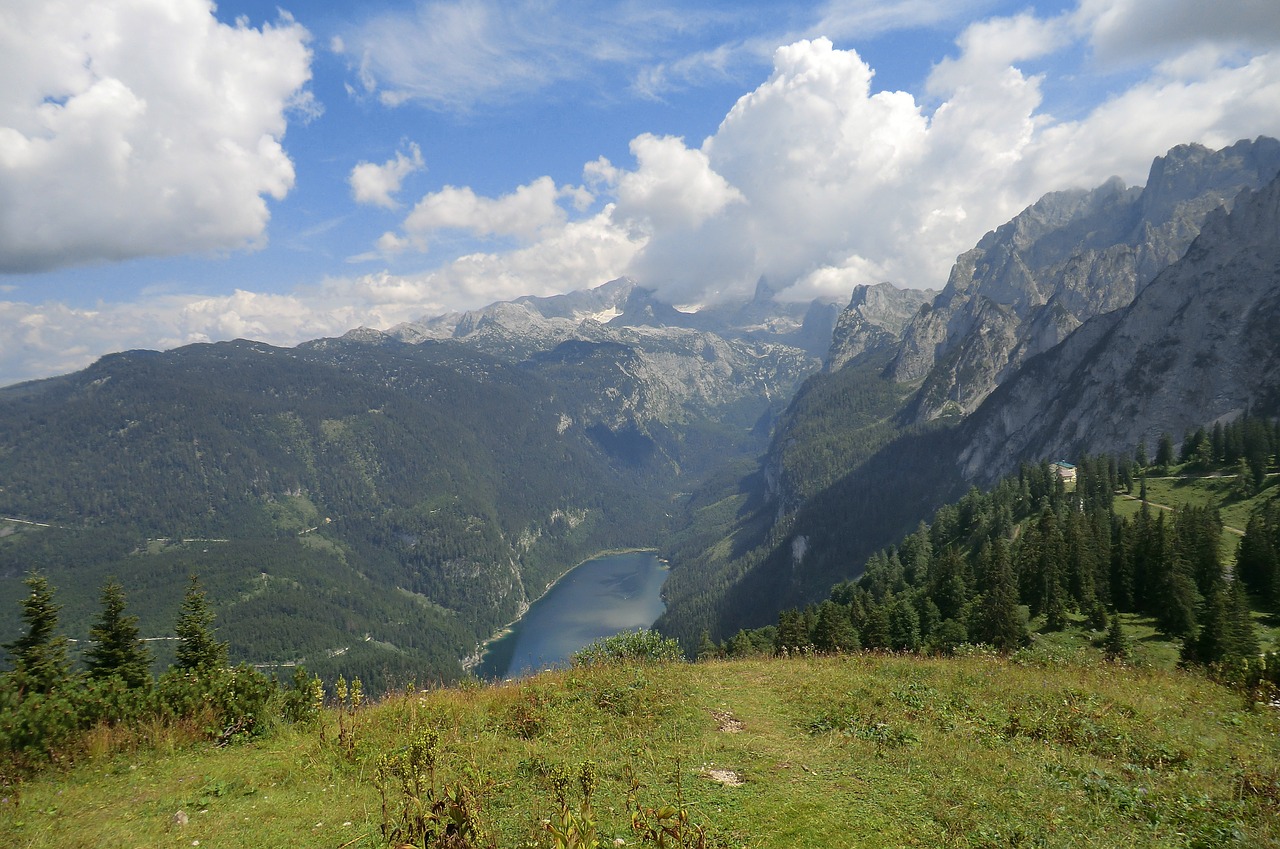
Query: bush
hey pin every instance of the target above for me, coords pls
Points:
(228, 702)
(642, 646)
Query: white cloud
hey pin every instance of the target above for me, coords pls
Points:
(376, 184)
(37, 340)
(525, 213)
(1216, 108)
(672, 187)
(579, 255)
(1125, 31)
(130, 129)
(814, 179)
(840, 185)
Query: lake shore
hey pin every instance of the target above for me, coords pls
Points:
(476, 658)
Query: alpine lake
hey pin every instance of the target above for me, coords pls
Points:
(600, 597)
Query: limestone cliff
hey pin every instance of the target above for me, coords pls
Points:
(1197, 344)
(1069, 257)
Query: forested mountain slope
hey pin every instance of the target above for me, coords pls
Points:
(854, 464)
(411, 498)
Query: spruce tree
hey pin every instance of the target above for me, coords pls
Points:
(999, 621)
(707, 649)
(834, 632)
(40, 655)
(876, 634)
(1243, 640)
(116, 648)
(904, 625)
(1213, 643)
(1117, 644)
(792, 634)
(197, 648)
(1257, 562)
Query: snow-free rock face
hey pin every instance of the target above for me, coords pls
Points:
(873, 320)
(1069, 257)
(731, 362)
(1199, 343)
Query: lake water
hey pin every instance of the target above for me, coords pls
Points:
(601, 597)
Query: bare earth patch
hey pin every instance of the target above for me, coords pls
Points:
(727, 722)
(727, 777)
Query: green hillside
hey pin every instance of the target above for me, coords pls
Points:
(1041, 748)
(369, 510)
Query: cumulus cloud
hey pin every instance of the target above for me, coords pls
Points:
(528, 213)
(815, 179)
(129, 130)
(672, 186)
(41, 339)
(838, 184)
(377, 184)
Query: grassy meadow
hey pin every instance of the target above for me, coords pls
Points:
(1052, 746)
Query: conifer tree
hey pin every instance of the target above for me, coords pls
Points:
(904, 625)
(999, 621)
(792, 634)
(40, 655)
(833, 632)
(876, 634)
(1117, 644)
(116, 648)
(197, 647)
(1243, 636)
(1213, 643)
(707, 649)
(1257, 562)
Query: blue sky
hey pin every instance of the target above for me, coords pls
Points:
(174, 172)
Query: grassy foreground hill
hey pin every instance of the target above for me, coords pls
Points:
(1042, 748)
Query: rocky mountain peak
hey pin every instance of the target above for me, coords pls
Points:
(873, 321)
(1068, 257)
(1197, 344)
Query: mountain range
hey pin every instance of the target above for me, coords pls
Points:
(382, 502)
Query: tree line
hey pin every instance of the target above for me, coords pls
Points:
(47, 706)
(1035, 546)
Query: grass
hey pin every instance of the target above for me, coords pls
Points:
(1050, 747)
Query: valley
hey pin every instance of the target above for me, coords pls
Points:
(872, 560)
(389, 499)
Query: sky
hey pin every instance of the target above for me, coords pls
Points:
(175, 171)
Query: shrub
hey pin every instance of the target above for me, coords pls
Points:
(642, 646)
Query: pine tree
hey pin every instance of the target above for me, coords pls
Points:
(197, 648)
(834, 632)
(707, 649)
(1243, 636)
(792, 634)
(1257, 562)
(116, 648)
(1213, 643)
(1164, 451)
(999, 622)
(1117, 644)
(876, 635)
(904, 624)
(1244, 486)
(40, 655)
